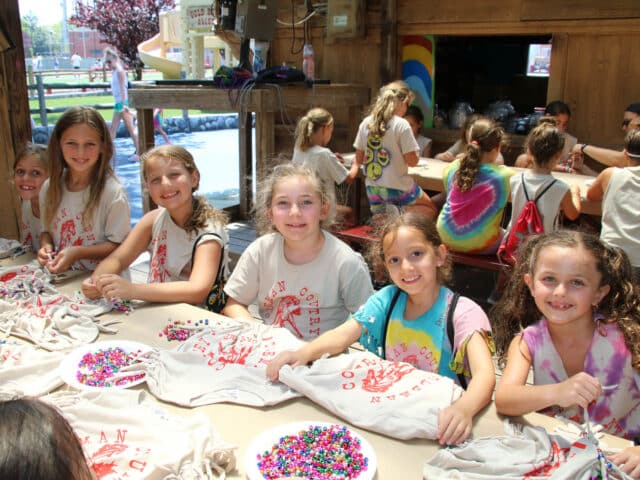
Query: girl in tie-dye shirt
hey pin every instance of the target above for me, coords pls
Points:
(477, 190)
(575, 315)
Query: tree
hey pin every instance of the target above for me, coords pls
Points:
(122, 23)
(34, 36)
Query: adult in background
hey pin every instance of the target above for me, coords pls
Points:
(612, 158)
(119, 90)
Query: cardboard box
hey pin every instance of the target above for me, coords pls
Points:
(345, 19)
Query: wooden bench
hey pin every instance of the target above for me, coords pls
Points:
(361, 235)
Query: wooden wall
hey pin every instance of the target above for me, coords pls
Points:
(595, 64)
(15, 125)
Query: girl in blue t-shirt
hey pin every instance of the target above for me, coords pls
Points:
(407, 321)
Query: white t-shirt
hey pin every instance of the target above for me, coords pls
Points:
(171, 248)
(548, 204)
(76, 60)
(111, 218)
(307, 299)
(384, 164)
(30, 227)
(325, 163)
(620, 226)
(423, 142)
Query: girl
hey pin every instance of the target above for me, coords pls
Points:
(618, 189)
(460, 145)
(417, 263)
(386, 148)
(545, 147)
(36, 441)
(157, 125)
(476, 191)
(313, 133)
(302, 277)
(415, 118)
(573, 310)
(170, 233)
(30, 170)
(119, 90)
(85, 211)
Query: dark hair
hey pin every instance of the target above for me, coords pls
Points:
(545, 141)
(37, 442)
(557, 107)
(415, 112)
(517, 309)
(633, 108)
(632, 144)
(485, 135)
(420, 222)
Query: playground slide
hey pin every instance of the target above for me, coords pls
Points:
(151, 54)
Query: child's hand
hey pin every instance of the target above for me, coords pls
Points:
(89, 289)
(284, 358)
(628, 460)
(581, 390)
(45, 255)
(446, 156)
(62, 261)
(454, 425)
(114, 287)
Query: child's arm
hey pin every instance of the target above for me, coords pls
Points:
(514, 397)
(411, 158)
(235, 309)
(133, 245)
(353, 171)
(571, 205)
(68, 256)
(192, 291)
(599, 185)
(332, 342)
(45, 254)
(612, 158)
(456, 421)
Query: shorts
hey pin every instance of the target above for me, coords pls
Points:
(118, 107)
(379, 197)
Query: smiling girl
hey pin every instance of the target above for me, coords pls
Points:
(171, 232)
(85, 211)
(30, 170)
(302, 277)
(407, 322)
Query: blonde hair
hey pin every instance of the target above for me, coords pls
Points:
(38, 150)
(101, 172)
(386, 104)
(314, 120)
(280, 173)
(202, 213)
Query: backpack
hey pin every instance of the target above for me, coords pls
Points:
(450, 328)
(528, 222)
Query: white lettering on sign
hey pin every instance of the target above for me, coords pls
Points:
(340, 20)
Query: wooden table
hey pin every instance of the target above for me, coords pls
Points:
(344, 101)
(239, 425)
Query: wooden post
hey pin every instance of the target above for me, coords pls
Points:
(42, 101)
(246, 165)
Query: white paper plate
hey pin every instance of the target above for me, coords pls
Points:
(70, 365)
(266, 440)
(423, 162)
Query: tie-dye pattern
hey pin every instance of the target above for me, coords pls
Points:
(470, 221)
(609, 360)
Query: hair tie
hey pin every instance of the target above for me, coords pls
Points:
(475, 142)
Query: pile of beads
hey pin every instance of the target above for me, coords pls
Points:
(122, 306)
(96, 369)
(180, 331)
(319, 452)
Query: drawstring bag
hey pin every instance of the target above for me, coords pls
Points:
(28, 371)
(392, 398)
(232, 78)
(216, 298)
(126, 435)
(226, 363)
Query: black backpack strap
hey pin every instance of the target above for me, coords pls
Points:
(524, 187)
(451, 333)
(220, 274)
(394, 300)
(544, 190)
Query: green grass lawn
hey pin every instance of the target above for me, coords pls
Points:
(90, 100)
